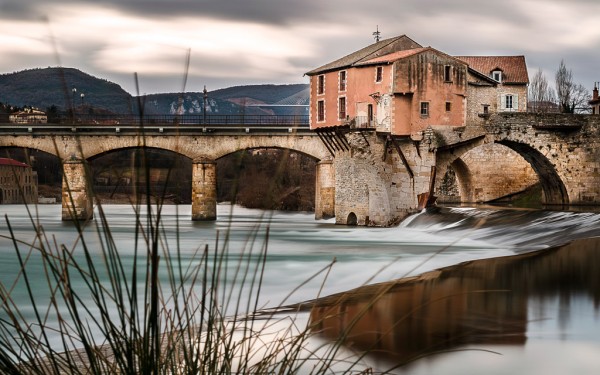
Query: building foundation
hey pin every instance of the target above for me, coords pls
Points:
(325, 190)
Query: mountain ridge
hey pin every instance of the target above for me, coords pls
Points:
(63, 88)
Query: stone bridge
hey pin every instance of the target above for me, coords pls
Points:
(363, 177)
(379, 178)
(76, 145)
(562, 149)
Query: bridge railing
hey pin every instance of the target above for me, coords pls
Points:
(229, 120)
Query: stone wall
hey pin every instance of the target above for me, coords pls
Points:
(373, 183)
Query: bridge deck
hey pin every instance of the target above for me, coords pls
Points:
(170, 124)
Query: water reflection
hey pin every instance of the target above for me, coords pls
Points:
(481, 302)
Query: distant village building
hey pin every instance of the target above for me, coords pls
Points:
(28, 116)
(399, 87)
(18, 182)
(595, 102)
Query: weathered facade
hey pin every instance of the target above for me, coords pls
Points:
(380, 111)
(399, 92)
(18, 182)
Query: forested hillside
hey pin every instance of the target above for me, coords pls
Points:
(62, 88)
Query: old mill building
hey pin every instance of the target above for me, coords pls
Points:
(399, 87)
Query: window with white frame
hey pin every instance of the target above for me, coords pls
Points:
(342, 108)
(509, 102)
(497, 75)
(379, 74)
(424, 109)
(321, 84)
(342, 78)
(321, 111)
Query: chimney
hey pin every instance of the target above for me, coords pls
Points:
(595, 92)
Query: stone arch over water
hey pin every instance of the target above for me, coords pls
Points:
(554, 191)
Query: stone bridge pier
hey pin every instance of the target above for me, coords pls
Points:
(204, 190)
(77, 196)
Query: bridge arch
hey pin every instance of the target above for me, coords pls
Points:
(472, 183)
(465, 179)
(553, 187)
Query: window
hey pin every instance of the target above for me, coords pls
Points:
(379, 74)
(486, 109)
(424, 109)
(320, 84)
(342, 80)
(497, 75)
(509, 102)
(448, 106)
(321, 110)
(342, 108)
(447, 73)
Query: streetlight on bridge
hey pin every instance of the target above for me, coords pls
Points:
(204, 107)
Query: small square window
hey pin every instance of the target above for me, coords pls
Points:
(448, 106)
(379, 74)
(497, 75)
(424, 109)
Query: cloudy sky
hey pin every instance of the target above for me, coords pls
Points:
(236, 42)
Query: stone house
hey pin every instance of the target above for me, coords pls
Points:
(495, 84)
(595, 102)
(18, 182)
(28, 116)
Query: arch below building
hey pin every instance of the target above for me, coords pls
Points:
(352, 220)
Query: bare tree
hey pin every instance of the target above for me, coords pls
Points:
(541, 95)
(570, 95)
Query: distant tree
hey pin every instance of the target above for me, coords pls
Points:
(541, 95)
(569, 94)
(53, 115)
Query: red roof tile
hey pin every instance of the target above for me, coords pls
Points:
(514, 68)
(16, 163)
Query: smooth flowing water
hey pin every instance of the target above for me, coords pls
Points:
(537, 324)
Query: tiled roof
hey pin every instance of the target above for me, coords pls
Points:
(391, 57)
(6, 161)
(374, 50)
(514, 68)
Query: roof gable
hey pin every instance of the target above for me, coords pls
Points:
(514, 68)
(399, 55)
(381, 48)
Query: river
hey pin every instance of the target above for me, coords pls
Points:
(555, 329)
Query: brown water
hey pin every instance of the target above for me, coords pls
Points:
(534, 313)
